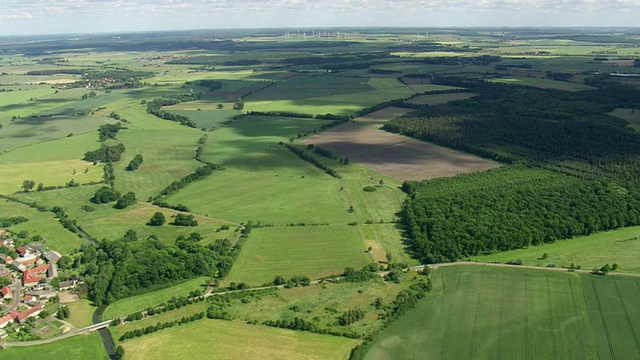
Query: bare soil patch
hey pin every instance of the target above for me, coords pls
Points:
(68, 297)
(397, 156)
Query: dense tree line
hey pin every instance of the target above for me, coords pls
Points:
(159, 326)
(9, 221)
(184, 220)
(315, 162)
(105, 154)
(117, 269)
(200, 173)
(510, 208)
(155, 107)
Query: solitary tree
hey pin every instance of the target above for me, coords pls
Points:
(28, 185)
(157, 219)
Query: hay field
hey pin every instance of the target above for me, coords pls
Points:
(219, 339)
(397, 156)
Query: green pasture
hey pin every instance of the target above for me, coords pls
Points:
(253, 134)
(207, 119)
(43, 224)
(80, 313)
(618, 246)
(485, 312)
(80, 347)
(168, 156)
(124, 307)
(313, 251)
(274, 187)
(103, 221)
(543, 83)
(27, 131)
(219, 339)
(52, 163)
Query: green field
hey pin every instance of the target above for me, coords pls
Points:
(80, 347)
(81, 313)
(482, 312)
(132, 304)
(52, 163)
(218, 339)
(613, 247)
(44, 224)
(313, 251)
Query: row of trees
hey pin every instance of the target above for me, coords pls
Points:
(315, 162)
(155, 107)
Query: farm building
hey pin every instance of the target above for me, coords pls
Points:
(33, 276)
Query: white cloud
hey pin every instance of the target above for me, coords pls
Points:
(29, 16)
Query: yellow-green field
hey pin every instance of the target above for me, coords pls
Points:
(218, 339)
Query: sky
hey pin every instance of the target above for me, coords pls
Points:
(27, 17)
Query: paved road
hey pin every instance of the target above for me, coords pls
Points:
(84, 330)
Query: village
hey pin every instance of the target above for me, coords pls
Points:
(30, 307)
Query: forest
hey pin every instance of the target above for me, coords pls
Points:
(589, 182)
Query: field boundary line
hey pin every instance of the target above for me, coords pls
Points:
(501, 315)
(443, 349)
(527, 346)
(551, 318)
(604, 323)
(475, 318)
(626, 316)
(580, 321)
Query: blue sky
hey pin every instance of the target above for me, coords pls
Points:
(21, 17)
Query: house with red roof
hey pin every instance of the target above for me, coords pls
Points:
(5, 320)
(34, 311)
(34, 275)
(6, 293)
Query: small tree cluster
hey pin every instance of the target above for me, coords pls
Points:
(351, 316)
(184, 220)
(135, 163)
(105, 195)
(125, 200)
(157, 219)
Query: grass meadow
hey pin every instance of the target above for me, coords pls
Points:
(232, 340)
(44, 224)
(53, 163)
(313, 251)
(141, 302)
(618, 246)
(80, 313)
(79, 347)
(483, 312)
